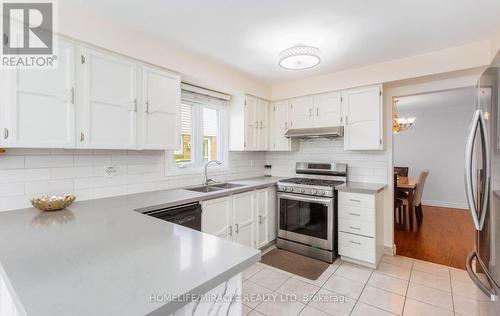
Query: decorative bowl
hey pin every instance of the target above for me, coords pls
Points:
(52, 203)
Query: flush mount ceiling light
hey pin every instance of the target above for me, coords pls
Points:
(299, 57)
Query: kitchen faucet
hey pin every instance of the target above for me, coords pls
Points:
(206, 180)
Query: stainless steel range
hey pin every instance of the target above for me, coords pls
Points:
(307, 208)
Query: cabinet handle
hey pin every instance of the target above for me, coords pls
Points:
(261, 125)
(147, 106)
(72, 95)
(6, 133)
(237, 228)
(354, 200)
(135, 105)
(355, 228)
(347, 120)
(355, 214)
(310, 112)
(231, 230)
(82, 136)
(317, 112)
(260, 219)
(354, 242)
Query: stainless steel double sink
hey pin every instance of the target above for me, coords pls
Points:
(214, 187)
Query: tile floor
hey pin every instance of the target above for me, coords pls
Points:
(400, 286)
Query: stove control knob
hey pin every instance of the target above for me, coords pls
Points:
(302, 190)
(322, 193)
(314, 192)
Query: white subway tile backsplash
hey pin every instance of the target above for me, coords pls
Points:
(23, 175)
(49, 187)
(28, 172)
(51, 161)
(92, 160)
(11, 189)
(70, 172)
(11, 162)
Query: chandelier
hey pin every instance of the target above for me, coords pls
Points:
(400, 124)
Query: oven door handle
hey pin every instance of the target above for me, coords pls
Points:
(305, 198)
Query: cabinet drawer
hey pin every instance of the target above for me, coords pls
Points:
(357, 199)
(357, 227)
(357, 247)
(357, 213)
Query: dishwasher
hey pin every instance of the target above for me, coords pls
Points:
(188, 215)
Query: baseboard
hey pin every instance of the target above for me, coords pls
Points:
(390, 251)
(445, 204)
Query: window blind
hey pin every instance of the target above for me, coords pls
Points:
(196, 95)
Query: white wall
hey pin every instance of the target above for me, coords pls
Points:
(78, 23)
(436, 142)
(25, 173)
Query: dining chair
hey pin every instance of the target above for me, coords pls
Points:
(398, 203)
(417, 198)
(401, 171)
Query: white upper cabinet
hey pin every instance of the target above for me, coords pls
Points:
(160, 109)
(328, 110)
(362, 108)
(263, 125)
(39, 104)
(110, 102)
(279, 126)
(251, 123)
(301, 113)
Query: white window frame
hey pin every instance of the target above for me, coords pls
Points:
(197, 165)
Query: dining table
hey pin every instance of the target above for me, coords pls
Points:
(408, 185)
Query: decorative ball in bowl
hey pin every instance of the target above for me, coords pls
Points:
(52, 203)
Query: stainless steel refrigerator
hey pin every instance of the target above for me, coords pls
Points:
(482, 181)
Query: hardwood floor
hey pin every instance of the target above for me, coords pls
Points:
(445, 237)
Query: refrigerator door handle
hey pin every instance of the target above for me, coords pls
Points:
(485, 144)
(469, 151)
(488, 291)
(477, 121)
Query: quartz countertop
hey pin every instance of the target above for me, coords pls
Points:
(102, 257)
(361, 187)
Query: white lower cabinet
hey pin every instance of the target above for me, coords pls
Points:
(216, 218)
(247, 218)
(361, 227)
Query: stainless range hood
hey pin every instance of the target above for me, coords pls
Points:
(318, 132)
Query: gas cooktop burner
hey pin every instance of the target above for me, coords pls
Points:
(315, 182)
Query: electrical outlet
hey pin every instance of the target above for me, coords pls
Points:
(109, 171)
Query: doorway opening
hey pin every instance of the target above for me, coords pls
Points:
(431, 218)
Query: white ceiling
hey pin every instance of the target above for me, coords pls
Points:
(249, 35)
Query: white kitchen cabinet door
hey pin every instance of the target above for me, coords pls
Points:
(327, 110)
(279, 126)
(217, 217)
(40, 104)
(272, 214)
(301, 113)
(109, 101)
(161, 109)
(262, 220)
(243, 219)
(263, 125)
(251, 123)
(363, 118)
